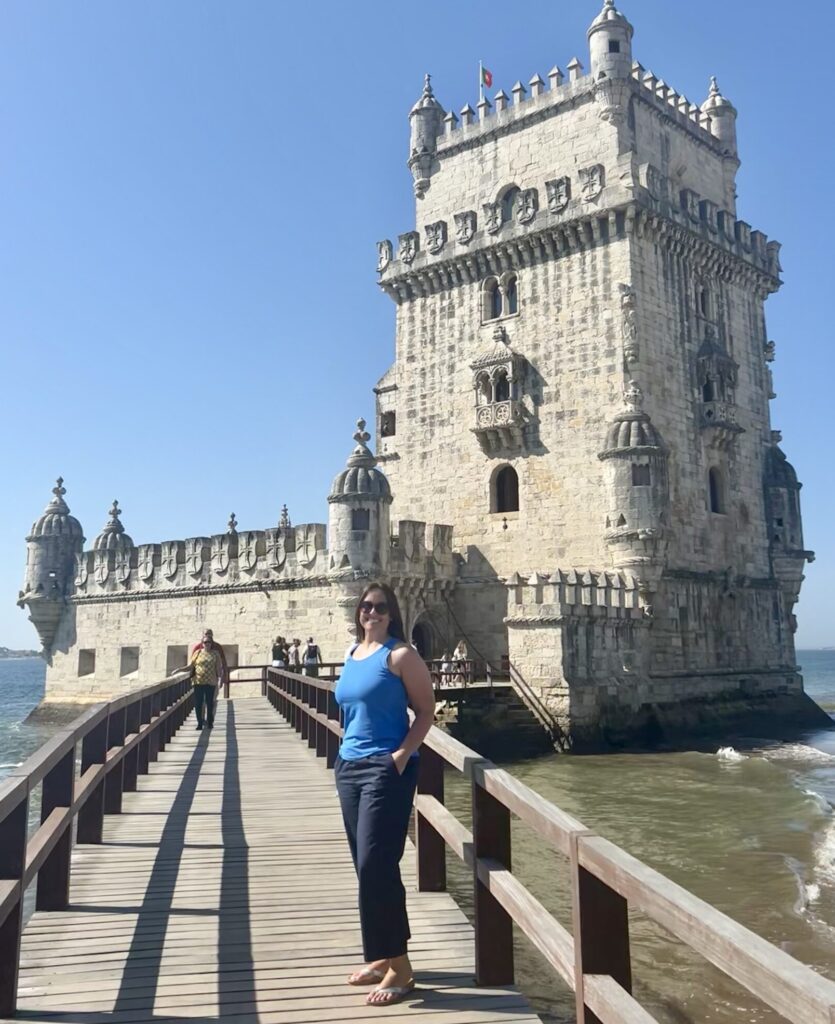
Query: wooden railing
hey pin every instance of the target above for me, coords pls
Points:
(327, 671)
(118, 742)
(593, 959)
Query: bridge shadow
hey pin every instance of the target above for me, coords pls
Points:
(235, 976)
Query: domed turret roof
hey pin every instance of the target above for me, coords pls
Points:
(632, 428)
(609, 17)
(361, 478)
(779, 472)
(56, 520)
(716, 103)
(113, 536)
(427, 99)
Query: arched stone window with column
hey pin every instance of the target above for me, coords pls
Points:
(504, 489)
(499, 411)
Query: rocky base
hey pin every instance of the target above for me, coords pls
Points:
(703, 723)
(56, 713)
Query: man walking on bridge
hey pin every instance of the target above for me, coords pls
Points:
(207, 674)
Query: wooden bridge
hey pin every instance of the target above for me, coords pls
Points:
(205, 877)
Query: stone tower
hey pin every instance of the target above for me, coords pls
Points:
(53, 544)
(573, 244)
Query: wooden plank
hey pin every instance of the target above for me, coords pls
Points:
(198, 902)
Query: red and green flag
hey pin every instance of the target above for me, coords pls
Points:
(485, 76)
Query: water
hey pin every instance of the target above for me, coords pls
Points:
(752, 831)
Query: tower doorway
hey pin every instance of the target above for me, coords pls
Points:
(422, 639)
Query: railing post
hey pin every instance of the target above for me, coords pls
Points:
(226, 683)
(321, 729)
(142, 756)
(155, 736)
(54, 873)
(131, 759)
(12, 861)
(431, 847)
(312, 724)
(91, 815)
(304, 720)
(493, 925)
(332, 740)
(263, 682)
(113, 780)
(601, 932)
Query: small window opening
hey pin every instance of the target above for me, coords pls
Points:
(509, 204)
(360, 519)
(640, 475)
(779, 521)
(388, 424)
(495, 303)
(483, 390)
(703, 301)
(507, 490)
(715, 496)
(86, 662)
(176, 657)
(511, 295)
(502, 388)
(128, 661)
(708, 391)
(614, 46)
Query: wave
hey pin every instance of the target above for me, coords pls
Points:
(731, 755)
(15, 764)
(797, 752)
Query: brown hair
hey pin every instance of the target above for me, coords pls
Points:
(395, 618)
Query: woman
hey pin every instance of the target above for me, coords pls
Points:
(280, 652)
(376, 775)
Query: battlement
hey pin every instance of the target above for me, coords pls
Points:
(284, 553)
(573, 593)
(421, 548)
(673, 104)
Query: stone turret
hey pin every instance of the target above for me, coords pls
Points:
(53, 544)
(722, 115)
(782, 504)
(426, 122)
(113, 536)
(610, 44)
(638, 491)
(358, 520)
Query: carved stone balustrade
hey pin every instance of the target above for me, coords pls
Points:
(718, 420)
(499, 425)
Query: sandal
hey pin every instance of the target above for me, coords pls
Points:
(397, 994)
(366, 976)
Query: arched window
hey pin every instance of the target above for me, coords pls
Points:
(491, 300)
(715, 487)
(509, 204)
(502, 387)
(506, 486)
(708, 393)
(483, 390)
(511, 296)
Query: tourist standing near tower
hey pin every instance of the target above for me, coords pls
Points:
(312, 658)
(376, 776)
(207, 675)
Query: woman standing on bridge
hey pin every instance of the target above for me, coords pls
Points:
(376, 776)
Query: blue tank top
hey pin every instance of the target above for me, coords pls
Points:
(373, 702)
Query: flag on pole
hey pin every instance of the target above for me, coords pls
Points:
(486, 76)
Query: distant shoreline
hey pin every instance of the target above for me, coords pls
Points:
(8, 655)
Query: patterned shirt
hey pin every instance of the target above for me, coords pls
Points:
(207, 667)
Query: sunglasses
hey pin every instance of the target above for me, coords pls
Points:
(381, 607)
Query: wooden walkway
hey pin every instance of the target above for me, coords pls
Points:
(225, 891)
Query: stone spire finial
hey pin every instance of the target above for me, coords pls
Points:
(284, 521)
(114, 525)
(633, 397)
(232, 525)
(361, 455)
(57, 503)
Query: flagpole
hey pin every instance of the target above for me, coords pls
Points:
(480, 82)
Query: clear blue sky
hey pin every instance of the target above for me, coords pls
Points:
(190, 194)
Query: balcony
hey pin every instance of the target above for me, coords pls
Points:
(499, 425)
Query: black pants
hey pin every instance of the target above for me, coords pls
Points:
(205, 695)
(376, 805)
